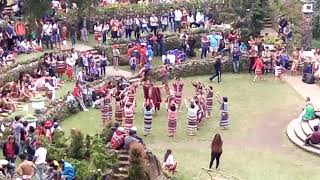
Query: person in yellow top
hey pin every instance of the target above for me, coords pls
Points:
(53, 169)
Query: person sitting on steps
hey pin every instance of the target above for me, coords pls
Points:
(313, 138)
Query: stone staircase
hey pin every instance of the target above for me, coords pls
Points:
(297, 132)
(121, 171)
(268, 22)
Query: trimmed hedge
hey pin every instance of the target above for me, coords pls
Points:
(171, 42)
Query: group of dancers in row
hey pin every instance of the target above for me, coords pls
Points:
(199, 106)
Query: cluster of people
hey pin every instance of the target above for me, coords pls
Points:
(24, 142)
(173, 20)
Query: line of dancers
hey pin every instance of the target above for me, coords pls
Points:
(199, 107)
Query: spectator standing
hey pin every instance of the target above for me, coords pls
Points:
(77, 93)
(26, 168)
(160, 40)
(164, 21)
(17, 126)
(216, 150)
(46, 34)
(171, 19)
(128, 23)
(136, 26)
(10, 150)
(10, 33)
(56, 34)
(236, 60)
(177, 20)
(20, 29)
(73, 34)
(154, 24)
(204, 46)
(84, 30)
(39, 160)
(144, 24)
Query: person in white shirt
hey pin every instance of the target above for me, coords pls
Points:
(70, 62)
(169, 163)
(199, 19)
(191, 20)
(39, 160)
(47, 33)
(144, 24)
(177, 20)
(154, 24)
(25, 46)
(98, 32)
(75, 57)
(51, 90)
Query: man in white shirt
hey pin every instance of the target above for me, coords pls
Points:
(177, 20)
(47, 33)
(154, 24)
(39, 160)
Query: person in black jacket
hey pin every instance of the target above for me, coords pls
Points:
(10, 149)
(217, 67)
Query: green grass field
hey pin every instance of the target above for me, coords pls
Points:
(247, 153)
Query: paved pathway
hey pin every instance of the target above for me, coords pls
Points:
(270, 31)
(110, 71)
(305, 90)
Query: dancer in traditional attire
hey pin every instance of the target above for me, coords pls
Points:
(128, 115)
(118, 110)
(178, 88)
(148, 111)
(106, 110)
(224, 121)
(172, 119)
(209, 100)
(192, 117)
(155, 96)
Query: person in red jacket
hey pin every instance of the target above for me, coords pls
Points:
(258, 66)
(117, 140)
(10, 149)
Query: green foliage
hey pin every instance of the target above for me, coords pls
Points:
(77, 148)
(137, 162)
(272, 40)
(58, 147)
(35, 9)
(316, 23)
(100, 157)
(258, 10)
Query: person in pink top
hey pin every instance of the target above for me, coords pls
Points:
(258, 66)
(172, 119)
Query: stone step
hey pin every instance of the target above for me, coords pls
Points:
(300, 134)
(306, 128)
(120, 176)
(122, 152)
(124, 163)
(314, 122)
(123, 157)
(267, 19)
(268, 25)
(268, 22)
(124, 170)
(294, 139)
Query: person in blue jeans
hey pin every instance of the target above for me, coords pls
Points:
(236, 60)
(68, 172)
(217, 67)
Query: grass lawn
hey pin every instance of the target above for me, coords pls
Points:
(250, 105)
